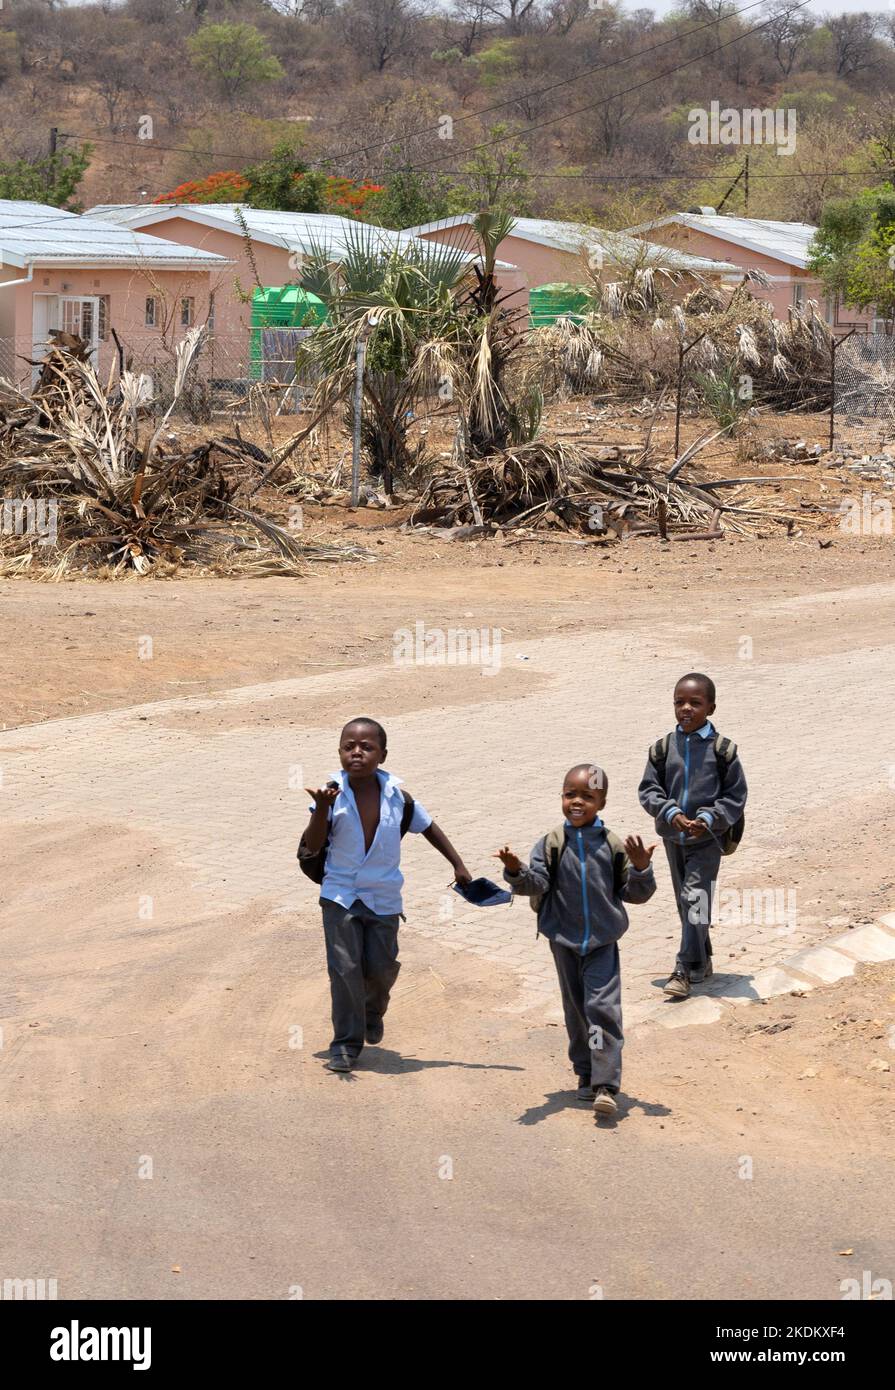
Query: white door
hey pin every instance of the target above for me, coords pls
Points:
(80, 316)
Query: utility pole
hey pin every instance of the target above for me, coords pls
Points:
(54, 141)
(746, 187)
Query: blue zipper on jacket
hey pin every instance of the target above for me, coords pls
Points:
(686, 778)
(583, 863)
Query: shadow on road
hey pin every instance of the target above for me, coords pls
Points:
(556, 1101)
(384, 1061)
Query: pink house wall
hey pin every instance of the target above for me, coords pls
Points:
(700, 242)
(127, 291)
(232, 313)
(536, 264)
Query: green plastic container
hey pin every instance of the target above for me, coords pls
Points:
(280, 306)
(547, 303)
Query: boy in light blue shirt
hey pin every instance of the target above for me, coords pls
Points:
(359, 818)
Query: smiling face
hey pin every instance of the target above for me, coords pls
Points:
(360, 749)
(692, 705)
(584, 794)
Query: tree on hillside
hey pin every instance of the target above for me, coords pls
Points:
(854, 251)
(854, 41)
(786, 33)
(382, 30)
(234, 57)
(52, 179)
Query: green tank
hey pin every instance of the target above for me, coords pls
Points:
(547, 303)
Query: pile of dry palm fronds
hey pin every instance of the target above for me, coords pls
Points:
(562, 487)
(787, 362)
(111, 496)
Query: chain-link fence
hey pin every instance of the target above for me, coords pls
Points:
(864, 404)
(228, 371)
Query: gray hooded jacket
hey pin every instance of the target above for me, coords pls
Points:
(695, 782)
(583, 910)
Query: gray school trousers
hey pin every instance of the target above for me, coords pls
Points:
(362, 960)
(591, 989)
(694, 873)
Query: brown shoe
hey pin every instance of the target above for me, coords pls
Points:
(678, 985)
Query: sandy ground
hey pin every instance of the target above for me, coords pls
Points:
(749, 1154)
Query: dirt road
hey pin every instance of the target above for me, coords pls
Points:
(170, 1130)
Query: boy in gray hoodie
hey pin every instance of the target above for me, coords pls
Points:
(580, 876)
(695, 788)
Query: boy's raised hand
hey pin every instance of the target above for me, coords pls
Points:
(637, 851)
(509, 860)
(324, 796)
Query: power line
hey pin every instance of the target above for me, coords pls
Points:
(695, 177)
(576, 77)
(592, 106)
(472, 115)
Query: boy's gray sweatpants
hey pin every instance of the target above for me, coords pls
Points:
(591, 988)
(694, 873)
(362, 960)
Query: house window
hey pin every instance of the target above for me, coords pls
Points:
(102, 321)
(151, 311)
(210, 319)
(798, 295)
(186, 312)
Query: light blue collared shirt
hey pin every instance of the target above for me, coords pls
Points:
(372, 875)
(706, 731)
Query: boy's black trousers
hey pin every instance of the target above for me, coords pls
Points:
(591, 988)
(694, 873)
(362, 960)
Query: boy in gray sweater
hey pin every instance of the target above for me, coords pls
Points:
(695, 788)
(580, 876)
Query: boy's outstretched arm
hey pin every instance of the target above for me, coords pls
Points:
(437, 838)
(318, 825)
(525, 879)
(638, 879)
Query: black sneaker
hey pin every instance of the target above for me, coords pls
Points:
(374, 1031)
(341, 1062)
(585, 1089)
(678, 985)
(605, 1102)
(698, 976)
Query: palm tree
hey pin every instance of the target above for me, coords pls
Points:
(397, 298)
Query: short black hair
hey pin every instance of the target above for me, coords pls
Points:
(596, 777)
(371, 723)
(706, 682)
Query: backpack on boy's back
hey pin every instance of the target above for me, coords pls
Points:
(725, 752)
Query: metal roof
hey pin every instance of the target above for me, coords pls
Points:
(296, 231)
(578, 236)
(36, 234)
(784, 241)
(304, 232)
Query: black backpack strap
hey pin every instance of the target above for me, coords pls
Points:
(725, 752)
(556, 840)
(407, 813)
(618, 862)
(658, 754)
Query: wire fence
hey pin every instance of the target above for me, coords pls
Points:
(864, 398)
(229, 370)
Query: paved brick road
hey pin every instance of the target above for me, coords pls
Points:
(228, 803)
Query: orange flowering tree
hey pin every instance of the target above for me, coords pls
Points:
(326, 194)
